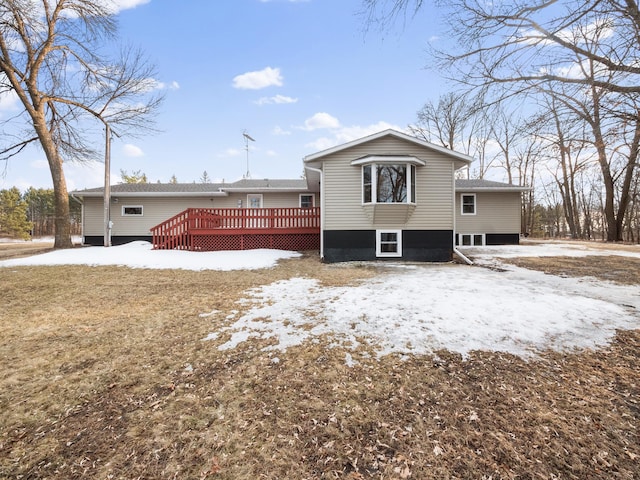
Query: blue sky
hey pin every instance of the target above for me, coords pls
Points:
(299, 76)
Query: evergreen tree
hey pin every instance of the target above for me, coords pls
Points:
(137, 176)
(41, 210)
(13, 214)
(205, 178)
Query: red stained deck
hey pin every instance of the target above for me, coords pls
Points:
(211, 229)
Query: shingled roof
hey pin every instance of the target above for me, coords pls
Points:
(477, 185)
(197, 189)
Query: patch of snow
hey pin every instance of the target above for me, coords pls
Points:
(550, 249)
(411, 309)
(141, 255)
(442, 306)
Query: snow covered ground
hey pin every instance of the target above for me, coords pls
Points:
(141, 255)
(415, 308)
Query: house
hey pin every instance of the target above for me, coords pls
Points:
(387, 195)
(391, 195)
(206, 216)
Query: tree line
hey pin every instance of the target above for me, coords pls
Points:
(63, 63)
(548, 95)
(32, 213)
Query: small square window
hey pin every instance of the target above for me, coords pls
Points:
(389, 243)
(131, 210)
(468, 204)
(306, 201)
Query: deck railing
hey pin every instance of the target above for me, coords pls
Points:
(178, 231)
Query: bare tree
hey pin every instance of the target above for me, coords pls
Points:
(458, 122)
(583, 52)
(52, 59)
(449, 123)
(533, 41)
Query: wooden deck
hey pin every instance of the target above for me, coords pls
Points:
(212, 229)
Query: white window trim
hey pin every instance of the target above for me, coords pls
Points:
(313, 199)
(374, 183)
(379, 252)
(141, 207)
(475, 203)
(472, 236)
(255, 195)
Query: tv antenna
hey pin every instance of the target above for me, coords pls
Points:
(247, 137)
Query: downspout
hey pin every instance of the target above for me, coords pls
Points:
(455, 233)
(321, 209)
(462, 256)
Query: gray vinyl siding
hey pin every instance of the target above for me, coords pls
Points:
(496, 212)
(158, 209)
(343, 207)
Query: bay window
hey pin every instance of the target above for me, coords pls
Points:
(389, 183)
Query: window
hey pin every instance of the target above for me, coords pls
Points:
(306, 201)
(389, 243)
(471, 239)
(131, 210)
(468, 203)
(254, 200)
(389, 183)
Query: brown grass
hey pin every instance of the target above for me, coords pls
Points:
(14, 250)
(104, 375)
(623, 270)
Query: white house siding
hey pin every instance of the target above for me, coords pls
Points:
(344, 210)
(155, 211)
(158, 209)
(269, 199)
(496, 212)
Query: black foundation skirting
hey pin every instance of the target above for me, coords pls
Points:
(502, 239)
(115, 240)
(360, 245)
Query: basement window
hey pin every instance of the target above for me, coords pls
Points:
(471, 239)
(388, 243)
(132, 210)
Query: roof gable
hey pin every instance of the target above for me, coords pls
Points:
(460, 158)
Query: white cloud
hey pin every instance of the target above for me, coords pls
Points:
(272, 153)
(280, 131)
(347, 134)
(322, 144)
(9, 101)
(277, 99)
(230, 152)
(81, 175)
(320, 120)
(116, 6)
(259, 79)
(579, 34)
(40, 164)
(130, 150)
(151, 84)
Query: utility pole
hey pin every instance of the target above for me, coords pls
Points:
(107, 186)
